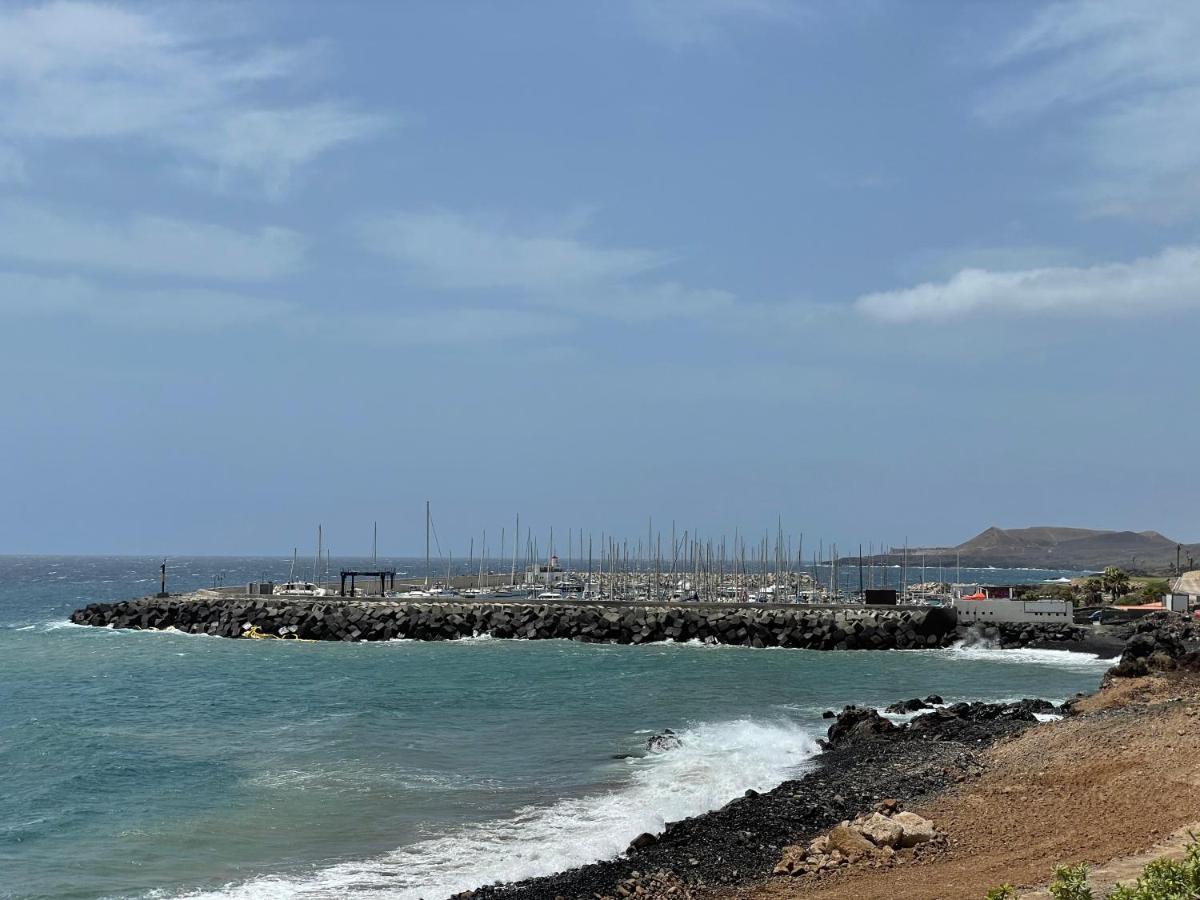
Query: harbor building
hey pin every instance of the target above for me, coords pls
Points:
(1003, 603)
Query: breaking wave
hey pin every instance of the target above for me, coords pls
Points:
(989, 652)
(714, 764)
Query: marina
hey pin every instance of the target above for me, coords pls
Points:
(677, 566)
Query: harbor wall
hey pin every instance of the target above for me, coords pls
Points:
(807, 627)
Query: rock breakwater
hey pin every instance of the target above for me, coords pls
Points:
(811, 628)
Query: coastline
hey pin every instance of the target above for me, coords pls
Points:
(732, 852)
(741, 843)
(736, 847)
(1114, 781)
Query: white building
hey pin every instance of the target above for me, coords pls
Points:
(1185, 592)
(1032, 612)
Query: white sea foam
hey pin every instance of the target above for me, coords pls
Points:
(1064, 659)
(905, 718)
(714, 764)
(52, 625)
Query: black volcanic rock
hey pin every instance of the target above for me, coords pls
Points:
(664, 741)
(856, 725)
(907, 706)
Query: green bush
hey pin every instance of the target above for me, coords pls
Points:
(1152, 591)
(1166, 879)
(1070, 883)
(1163, 879)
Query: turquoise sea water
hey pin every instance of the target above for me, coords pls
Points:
(142, 764)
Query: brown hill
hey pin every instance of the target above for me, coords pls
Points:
(1063, 548)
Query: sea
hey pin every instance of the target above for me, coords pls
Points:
(165, 765)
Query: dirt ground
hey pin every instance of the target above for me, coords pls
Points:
(1113, 782)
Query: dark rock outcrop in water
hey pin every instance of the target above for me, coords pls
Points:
(805, 627)
(664, 741)
(856, 725)
(868, 760)
(913, 705)
(1161, 641)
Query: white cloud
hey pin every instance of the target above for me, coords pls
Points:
(548, 268)
(452, 250)
(80, 70)
(12, 167)
(686, 23)
(149, 245)
(935, 263)
(271, 144)
(25, 295)
(1124, 81)
(1165, 282)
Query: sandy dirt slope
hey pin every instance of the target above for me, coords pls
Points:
(1111, 782)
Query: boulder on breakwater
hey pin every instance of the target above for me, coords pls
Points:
(804, 627)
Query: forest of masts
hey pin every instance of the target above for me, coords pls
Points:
(680, 565)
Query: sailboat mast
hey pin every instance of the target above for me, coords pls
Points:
(482, 554)
(860, 572)
(426, 545)
(317, 562)
(516, 544)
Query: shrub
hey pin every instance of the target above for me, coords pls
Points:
(1163, 879)
(1070, 883)
(1152, 591)
(1166, 879)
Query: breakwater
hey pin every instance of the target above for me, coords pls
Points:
(802, 627)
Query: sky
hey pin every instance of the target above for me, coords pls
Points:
(878, 271)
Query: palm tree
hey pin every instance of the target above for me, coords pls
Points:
(1115, 581)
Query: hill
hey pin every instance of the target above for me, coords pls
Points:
(1047, 547)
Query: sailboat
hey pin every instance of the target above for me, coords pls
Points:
(295, 588)
(428, 592)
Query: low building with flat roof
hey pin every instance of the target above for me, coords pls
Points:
(1031, 612)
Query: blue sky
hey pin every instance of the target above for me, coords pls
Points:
(884, 269)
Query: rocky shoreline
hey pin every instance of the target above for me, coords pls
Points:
(867, 759)
(869, 763)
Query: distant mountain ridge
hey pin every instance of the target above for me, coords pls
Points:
(1049, 547)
